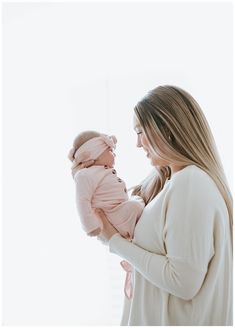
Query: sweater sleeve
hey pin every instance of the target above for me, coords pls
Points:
(85, 188)
(188, 240)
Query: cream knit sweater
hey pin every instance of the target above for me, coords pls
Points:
(182, 256)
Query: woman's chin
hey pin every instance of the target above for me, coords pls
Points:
(154, 161)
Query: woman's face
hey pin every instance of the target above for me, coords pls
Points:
(143, 142)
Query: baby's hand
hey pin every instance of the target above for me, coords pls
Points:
(95, 232)
(138, 198)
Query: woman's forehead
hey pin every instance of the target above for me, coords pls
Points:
(136, 123)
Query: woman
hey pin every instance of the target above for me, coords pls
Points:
(181, 252)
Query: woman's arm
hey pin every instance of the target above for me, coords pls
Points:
(175, 277)
(171, 275)
(188, 239)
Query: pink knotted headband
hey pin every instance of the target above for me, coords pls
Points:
(93, 148)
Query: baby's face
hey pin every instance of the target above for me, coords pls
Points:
(107, 158)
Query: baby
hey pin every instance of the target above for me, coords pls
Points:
(98, 186)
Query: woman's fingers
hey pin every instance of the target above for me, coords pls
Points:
(106, 223)
(94, 233)
(108, 229)
(101, 214)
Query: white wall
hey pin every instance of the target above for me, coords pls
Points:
(68, 67)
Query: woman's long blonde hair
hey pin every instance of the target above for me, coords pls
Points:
(178, 132)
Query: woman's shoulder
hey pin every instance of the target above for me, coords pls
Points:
(190, 171)
(194, 178)
(194, 188)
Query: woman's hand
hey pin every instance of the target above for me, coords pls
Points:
(108, 229)
(94, 233)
